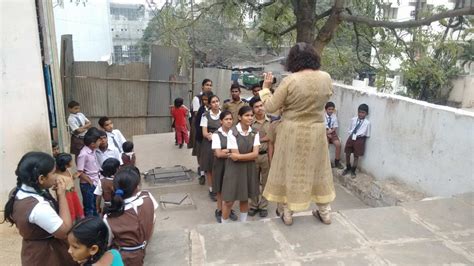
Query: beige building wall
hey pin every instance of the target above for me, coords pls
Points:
(23, 108)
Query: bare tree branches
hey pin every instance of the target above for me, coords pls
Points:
(410, 23)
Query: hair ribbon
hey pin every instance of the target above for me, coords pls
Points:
(119, 192)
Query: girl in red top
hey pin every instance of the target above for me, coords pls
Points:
(179, 112)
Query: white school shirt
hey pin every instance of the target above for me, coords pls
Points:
(98, 189)
(110, 152)
(119, 138)
(216, 140)
(43, 214)
(212, 115)
(334, 123)
(364, 129)
(232, 141)
(196, 103)
(132, 202)
(76, 121)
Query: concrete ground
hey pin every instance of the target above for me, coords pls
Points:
(433, 232)
(160, 151)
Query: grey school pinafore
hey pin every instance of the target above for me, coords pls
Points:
(218, 167)
(240, 178)
(207, 156)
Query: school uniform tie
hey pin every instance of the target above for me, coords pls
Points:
(78, 121)
(116, 144)
(359, 123)
(329, 122)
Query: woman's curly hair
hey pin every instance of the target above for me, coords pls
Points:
(302, 56)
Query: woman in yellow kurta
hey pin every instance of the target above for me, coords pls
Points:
(300, 171)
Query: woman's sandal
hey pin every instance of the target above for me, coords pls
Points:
(318, 215)
(281, 215)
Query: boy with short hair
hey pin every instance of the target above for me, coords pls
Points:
(114, 136)
(235, 103)
(88, 171)
(331, 132)
(359, 131)
(79, 124)
(106, 151)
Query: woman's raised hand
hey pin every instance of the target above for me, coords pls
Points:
(267, 80)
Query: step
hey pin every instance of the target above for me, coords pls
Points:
(438, 231)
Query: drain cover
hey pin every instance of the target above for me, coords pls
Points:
(173, 174)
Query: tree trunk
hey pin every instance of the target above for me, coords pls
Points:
(305, 14)
(326, 33)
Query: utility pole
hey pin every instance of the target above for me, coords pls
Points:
(194, 52)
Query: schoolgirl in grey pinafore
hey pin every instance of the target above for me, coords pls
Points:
(240, 178)
(218, 167)
(207, 155)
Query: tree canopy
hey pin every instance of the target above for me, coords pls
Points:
(352, 36)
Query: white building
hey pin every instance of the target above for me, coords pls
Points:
(403, 10)
(127, 25)
(88, 22)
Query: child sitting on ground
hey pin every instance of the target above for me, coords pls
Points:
(63, 166)
(359, 131)
(88, 243)
(331, 132)
(128, 155)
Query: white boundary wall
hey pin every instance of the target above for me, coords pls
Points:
(427, 146)
(23, 109)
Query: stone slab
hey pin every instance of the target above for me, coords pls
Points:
(239, 243)
(169, 248)
(421, 253)
(387, 224)
(308, 236)
(344, 258)
(444, 215)
(466, 197)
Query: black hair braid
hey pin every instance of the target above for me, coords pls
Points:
(9, 205)
(44, 192)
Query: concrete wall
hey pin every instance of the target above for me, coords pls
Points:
(463, 92)
(24, 118)
(427, 146)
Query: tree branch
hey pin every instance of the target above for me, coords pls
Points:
(323, 15)
(278, 34)
(407, 49)
(410, 23)
(259, 7)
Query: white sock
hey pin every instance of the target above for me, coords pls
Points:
(224, 221)
(210, 189)
(243, 216)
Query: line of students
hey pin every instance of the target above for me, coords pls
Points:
(228, 148)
